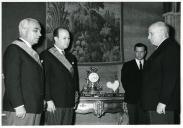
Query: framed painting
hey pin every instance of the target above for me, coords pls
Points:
(95, 28)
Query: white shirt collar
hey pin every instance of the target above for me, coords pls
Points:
(60, 51)
(26, 42)
(138, 62)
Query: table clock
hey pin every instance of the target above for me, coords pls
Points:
(92, 82)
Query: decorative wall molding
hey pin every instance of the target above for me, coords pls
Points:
(172, 18)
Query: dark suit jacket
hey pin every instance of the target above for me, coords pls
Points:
(23, 81)
(161, 79)
(131, 81)
(60, 84)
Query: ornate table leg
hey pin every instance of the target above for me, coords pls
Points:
(99, 108)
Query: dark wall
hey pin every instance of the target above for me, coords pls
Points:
(13, 13)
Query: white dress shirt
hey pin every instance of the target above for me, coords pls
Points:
(60, 51)
(138, 63)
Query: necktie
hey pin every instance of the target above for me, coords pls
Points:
(140, 65)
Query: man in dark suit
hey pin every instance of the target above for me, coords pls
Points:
(131, 80)
(23, 77)
(61, 80)
(161, 77)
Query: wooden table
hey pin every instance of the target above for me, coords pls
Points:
(101, 104)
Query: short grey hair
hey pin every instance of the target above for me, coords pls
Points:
(162, 26)
(24, 24)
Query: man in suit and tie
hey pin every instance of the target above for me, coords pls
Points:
(23, 77)
(161, 77)
(131, 74)
(61, 77)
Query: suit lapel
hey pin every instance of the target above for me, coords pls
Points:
(158, 50)
(62, 59)
(28, 50)
(135, 64)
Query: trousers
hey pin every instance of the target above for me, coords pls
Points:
(155, 118)
(61, 116)
(10, 118)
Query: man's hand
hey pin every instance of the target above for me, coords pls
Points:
(51, 106)
(161, 108)
(20, 112)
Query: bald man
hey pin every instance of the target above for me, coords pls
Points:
(23, 77)
(161, 78)
(61, 80)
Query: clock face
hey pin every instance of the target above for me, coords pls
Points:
(93, 77)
